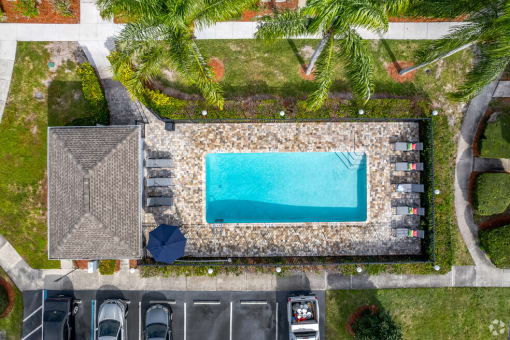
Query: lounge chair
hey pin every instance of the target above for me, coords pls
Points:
(158, 163)
(408, 146)
(159, 182)
(413, 233)
(408, 166)
(407, 187)
(409, 211)
(159, 201)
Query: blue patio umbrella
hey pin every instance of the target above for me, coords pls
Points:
(166, 243)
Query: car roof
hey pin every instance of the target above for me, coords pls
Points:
(53, 330)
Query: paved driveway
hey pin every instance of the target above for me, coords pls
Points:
(196, 315)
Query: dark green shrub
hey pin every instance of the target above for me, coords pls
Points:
(496, 243)
(93, 94)
(4, 299)
(491, 193)
(107, 267)
(28, 8)
(376, 326)
(63, 7)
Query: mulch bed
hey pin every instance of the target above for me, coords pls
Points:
(495, 222)
(472, 182)
(357, 314)
(302, 73)
(11, 294)
(395, 67)
(117, 265)
(81, 264)
(133, 263)
(47, 13)
(267, 9)
(218, 68)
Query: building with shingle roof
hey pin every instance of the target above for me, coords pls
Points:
(95, 192)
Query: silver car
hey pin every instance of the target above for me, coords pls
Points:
(111, 320)
(158, 323)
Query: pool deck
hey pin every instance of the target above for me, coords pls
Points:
(188, 145)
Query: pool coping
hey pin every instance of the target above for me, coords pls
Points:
(283, 224)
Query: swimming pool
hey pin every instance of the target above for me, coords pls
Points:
(286, 187)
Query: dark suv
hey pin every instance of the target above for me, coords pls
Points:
(57, 318)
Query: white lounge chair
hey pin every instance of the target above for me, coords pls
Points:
(413, 233)
(159, 201)
(408, 166)
(159, 182)
(158, 163)
(408, 146)
(403, 210)
(407, 187)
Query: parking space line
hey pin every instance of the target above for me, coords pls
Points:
(32, 314)
(139, 320)
(184, 320)
(276, 321)
(207, 302)
(253, 302)
(93, 320)
(44, 296)
(230, 320)
(32, 332)
(170, 302)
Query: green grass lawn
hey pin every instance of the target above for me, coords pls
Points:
(437, 313)
(491, 194)
(12, 323)
(23, 133)
(495, 141)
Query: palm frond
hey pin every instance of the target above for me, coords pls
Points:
(364, 14)
(188, 60)
(323, 77)
(283, 25)
(395, 7)
(359, 65)
(130, 8)
(487, 69)
(220, 10)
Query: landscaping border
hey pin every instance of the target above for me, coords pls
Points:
(9, 290)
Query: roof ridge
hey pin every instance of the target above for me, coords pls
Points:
(69, 152)
(114, 149)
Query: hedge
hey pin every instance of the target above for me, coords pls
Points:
(496, 243)
(94, 96)
(495, 141)
(376, 326)
(107, 267)
(491, 194)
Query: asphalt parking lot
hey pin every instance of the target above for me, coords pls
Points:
(196, 315)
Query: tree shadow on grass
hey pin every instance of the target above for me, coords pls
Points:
(66, 104)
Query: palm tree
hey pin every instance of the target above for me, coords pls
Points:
(335, 21)
(161, 34)
(488, 26)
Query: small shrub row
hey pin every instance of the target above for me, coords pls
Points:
(27, 8)
(491, 193)
(94, 96)
(496, 243)
(107, 267)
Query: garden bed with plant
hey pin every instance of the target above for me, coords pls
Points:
(494, 139)
(490, 196)
(11, 319)
(44, 11)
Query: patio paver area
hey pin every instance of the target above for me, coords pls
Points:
(188, 145)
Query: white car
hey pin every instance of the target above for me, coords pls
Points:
(111, 320)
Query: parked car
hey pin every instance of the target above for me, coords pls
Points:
(112, 322)
(58, 317)
(158, 323)
(303, 317)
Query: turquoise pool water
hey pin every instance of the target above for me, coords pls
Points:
(286, 187)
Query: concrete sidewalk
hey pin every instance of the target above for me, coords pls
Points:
(7, 56)
(18, 270)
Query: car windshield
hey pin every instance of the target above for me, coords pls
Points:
(109, 328)
(156, 330)
(54, 315)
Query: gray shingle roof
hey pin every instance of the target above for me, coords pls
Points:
(94, 193)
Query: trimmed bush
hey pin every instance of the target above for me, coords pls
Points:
(376, 326)
(27, 8)
(107, 267)
(496, 243)
(495, 141)
(63, 7)
(93, 94)
(491, 194)
(4, 299)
